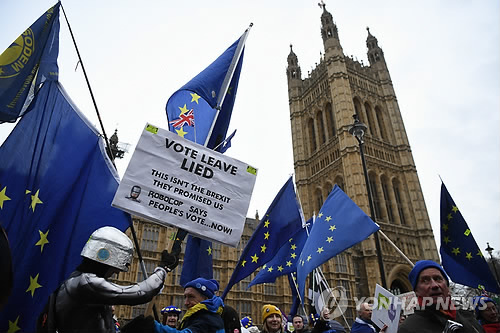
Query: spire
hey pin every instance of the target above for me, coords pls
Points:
(375, 53)
(293, 69)
(328, 27)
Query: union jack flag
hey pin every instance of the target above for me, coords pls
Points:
(184, 119)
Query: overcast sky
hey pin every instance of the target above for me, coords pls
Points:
(443, 57)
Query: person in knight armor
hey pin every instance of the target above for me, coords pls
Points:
(84, 301)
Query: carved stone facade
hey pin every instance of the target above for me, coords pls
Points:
(325, 153)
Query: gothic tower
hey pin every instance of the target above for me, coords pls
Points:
(322, 106)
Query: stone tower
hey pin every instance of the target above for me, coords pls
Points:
(322, 106)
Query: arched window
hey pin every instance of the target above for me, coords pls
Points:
(370, 122)
(376, 200)
(322, 134)
(331, 120)
(381, 123)
(357, 109)
(327, 188)
(319, 199)
(312, 135)
(399, 200)
(387, 199)
(340, 182)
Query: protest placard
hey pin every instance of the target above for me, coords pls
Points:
(174, 181)
(386, 309)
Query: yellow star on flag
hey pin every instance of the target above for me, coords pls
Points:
(184, 109)
(266, 224)
(309, 257)
(194, 98)
(329, 239)
(320, 215)
(468, 255)
(3, 196)
(43, 240)
(320, 249)
(33, 285)
(13, 326)
(243, 263)
(332, 228)
(289, 263)
(254, 258)
(270, 269)
(266, 235)
(446, 239)
(209, 250)
(479, 253)
(328, 219)
(454, 209)
(229, 90)
(293, 255)
(449, 217)
(35, 200)
(280, 268)
(181, 132)
(264, 267)
(467, 232)
(263, 248)
(455, 251)
(293, 247)
(445, 227)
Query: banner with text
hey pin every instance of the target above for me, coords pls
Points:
(174, 181)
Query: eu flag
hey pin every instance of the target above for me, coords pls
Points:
(339, 225)
(460, 255)
(197, 260)
(193, 109)
(284, 262)
(33, 54)
(281, 221)
(56, 188)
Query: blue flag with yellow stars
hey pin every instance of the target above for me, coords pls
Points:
(284, 262)
(339, 225)
(461, 258)
(281, 221)
(191, 111)
(197, 260)
(56, 188)
(32, 55)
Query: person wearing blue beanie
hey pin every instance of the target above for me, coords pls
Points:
(204, 309)
(420, 266)
(435, 309)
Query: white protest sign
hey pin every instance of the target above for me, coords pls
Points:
(409, 301)
(174, 181)
(386, 309)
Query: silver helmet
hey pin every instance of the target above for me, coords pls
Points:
(109, 246)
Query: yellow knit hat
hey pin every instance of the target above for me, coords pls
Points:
(268, 310)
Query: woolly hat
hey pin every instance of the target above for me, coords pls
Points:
(204, 286)
(171, 309)
(246, 322)
(479, 303)
(268, 310)
(419, 267)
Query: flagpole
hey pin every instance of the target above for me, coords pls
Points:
(298, 293)
(397, 249)
(131, 224)
(90, 88)
(334, 298)
(227, 80)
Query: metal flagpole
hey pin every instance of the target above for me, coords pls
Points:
(90, 88)
(227, 80)
(334, 298)
(397, 249)
(131, 224)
